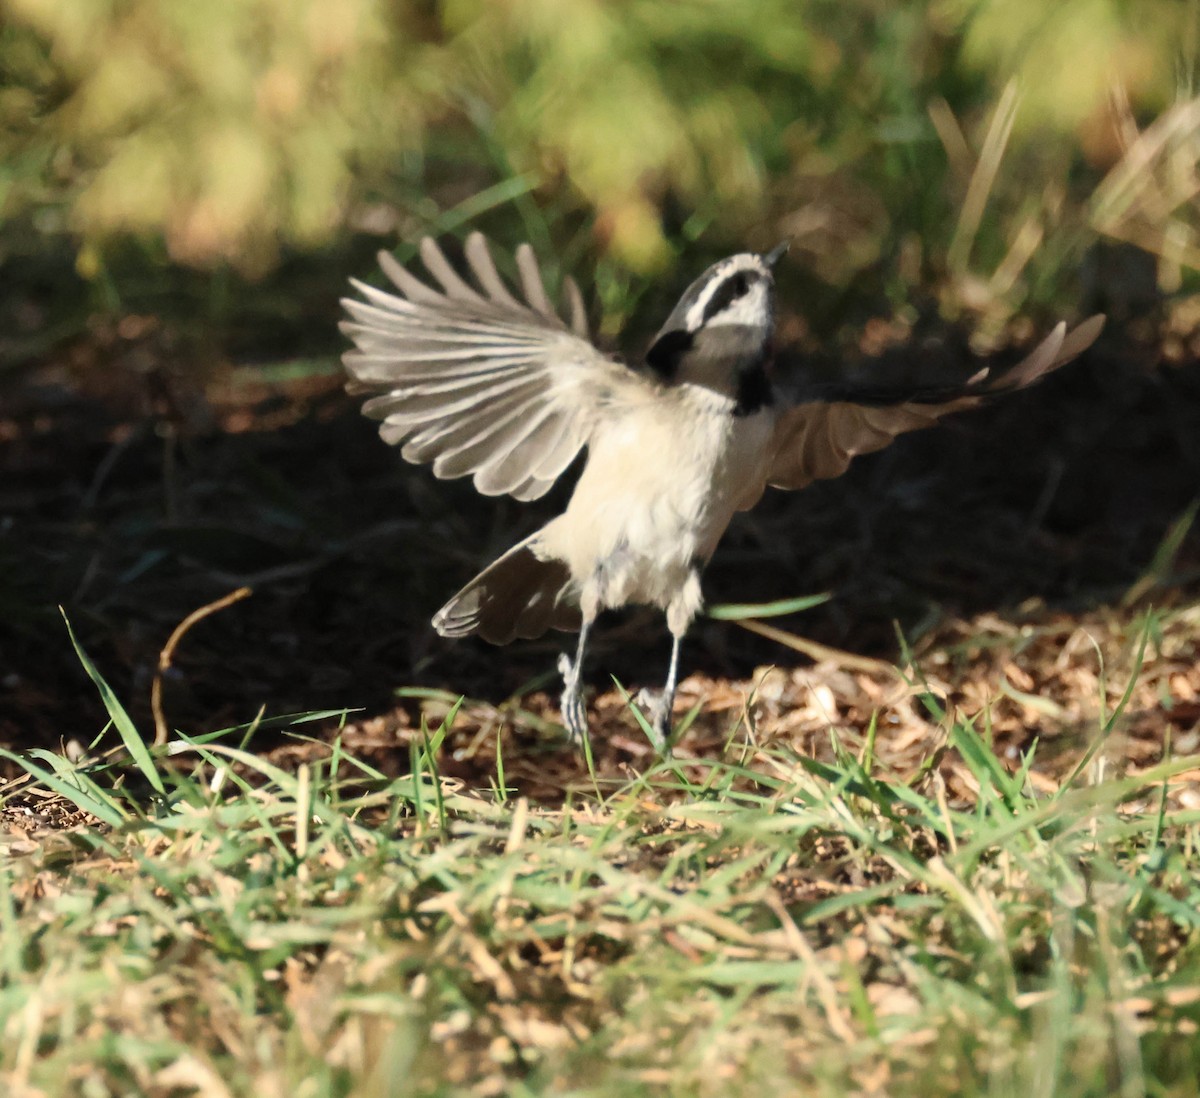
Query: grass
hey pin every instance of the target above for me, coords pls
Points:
(195, 919)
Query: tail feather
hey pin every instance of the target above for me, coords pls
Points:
(518, 595)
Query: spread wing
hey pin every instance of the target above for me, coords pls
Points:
(478, 381)
(818, 440)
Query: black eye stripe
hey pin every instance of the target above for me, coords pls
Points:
(735, 286)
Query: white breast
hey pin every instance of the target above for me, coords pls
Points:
(662, 481)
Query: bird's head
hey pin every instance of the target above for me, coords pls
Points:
(722, 324)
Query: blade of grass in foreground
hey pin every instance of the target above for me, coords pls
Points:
(1112, 720)
(130, 737)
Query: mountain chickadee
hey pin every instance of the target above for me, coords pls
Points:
(481, 383)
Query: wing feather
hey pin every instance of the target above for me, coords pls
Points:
(484, 269)
(410, 286)
(475, 380)
(438, 266)
(817, 440)
(531, 282)
(477, 454)
(579, 320)
(443, 438)
(437, 403)
(533, 439)
(559, 450)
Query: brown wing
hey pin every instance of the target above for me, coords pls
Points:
(477, 381)
(816, 441)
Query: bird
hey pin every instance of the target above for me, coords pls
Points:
(496, 384)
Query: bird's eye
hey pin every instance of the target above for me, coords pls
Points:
(740, 287)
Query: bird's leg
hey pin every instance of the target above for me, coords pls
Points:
(659, 706)
(574, 712)
(680, 612)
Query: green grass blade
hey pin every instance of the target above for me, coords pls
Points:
(1110, 722)
(742, 611)
(130, 737)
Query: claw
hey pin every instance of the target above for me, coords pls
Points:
(574, 712)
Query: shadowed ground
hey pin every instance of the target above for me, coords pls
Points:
(137, 503)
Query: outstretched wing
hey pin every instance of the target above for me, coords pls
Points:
(818, 440)
(475, 380)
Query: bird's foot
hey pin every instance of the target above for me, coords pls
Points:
(574, 712)
(656, 708)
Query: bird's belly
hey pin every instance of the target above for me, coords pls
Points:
(651, 545)
(653, 501)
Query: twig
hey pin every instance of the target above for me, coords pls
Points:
(819, 653)
(161, 732)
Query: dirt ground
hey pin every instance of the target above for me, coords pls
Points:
(131, 494)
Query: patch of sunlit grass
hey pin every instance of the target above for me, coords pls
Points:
(210, 922)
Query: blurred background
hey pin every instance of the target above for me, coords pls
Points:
(185, 188)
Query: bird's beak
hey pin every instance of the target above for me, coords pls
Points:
(776, 254)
